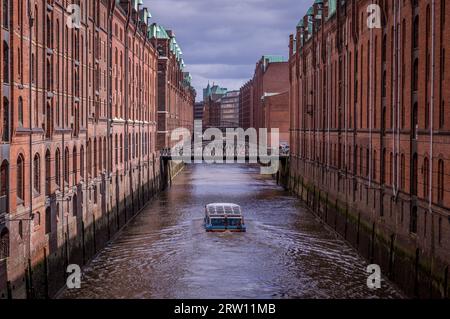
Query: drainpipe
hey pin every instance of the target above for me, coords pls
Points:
(394, 184)
(108, 128)
(430, 194)
(371, 95)
(31, 22)
(127, 142)
(399, 76)
(346, 107)
(328, 106)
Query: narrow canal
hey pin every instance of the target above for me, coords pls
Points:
(286, 253)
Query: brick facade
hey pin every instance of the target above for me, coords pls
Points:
(78, 151)
(276, 109)
(245, 105)
(176, 96)
(370, 131)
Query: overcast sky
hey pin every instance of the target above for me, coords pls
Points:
(222, 40)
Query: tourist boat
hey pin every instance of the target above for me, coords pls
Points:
(221, 217)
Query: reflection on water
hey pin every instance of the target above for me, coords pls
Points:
(286, 253)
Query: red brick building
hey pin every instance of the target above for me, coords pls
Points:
(276, 115)
(212, 106)
(271, 77)
(78, 153)
(246, 105)
(370, 132)
(176, 96)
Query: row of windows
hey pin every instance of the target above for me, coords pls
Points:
(396, 69)
(367, 165)
(99, 163)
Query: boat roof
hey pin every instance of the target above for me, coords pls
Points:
(222, 209)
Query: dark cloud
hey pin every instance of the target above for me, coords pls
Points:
(222, 39)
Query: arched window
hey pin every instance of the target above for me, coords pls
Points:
(5, 62)
(36, 173)
(100, 153)
(32, 69)
(20, 112)
(20, 186)
(95, 157)
(5, 135)
(4, 186)
(49, 76)
(74, 164)
(82, 162)
(391, 163)
(4, 243)
(426, 177)
(49, 121)
(47, 173)
(89, 157)
(4, 170)
(414, 181)
(367, 162)
(129, 146)
(66, 165)
(49, 33)
(116, 150)
(48, 220)
(20, 229)
(402, 172)
(121, 148)
(58, 167)
(441, 181)
(415, 121)
(5, 11)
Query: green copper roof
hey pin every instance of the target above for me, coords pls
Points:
(310, 11)
(158, 32)
(213, 90)
(331, 7)
(273, 58)
(267, 59)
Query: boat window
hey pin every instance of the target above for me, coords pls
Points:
(234, 222)
(236, 210)
(217, 221)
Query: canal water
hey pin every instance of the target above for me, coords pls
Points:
(285, 253)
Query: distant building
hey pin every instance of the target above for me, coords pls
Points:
(229, 109)
(276, 114)
(176, 96)
(246, 105)
(78, 129)
(271, 77)
(214, 92)
(370, 133)
(211, 107)
(264, 100)
(198, 110)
